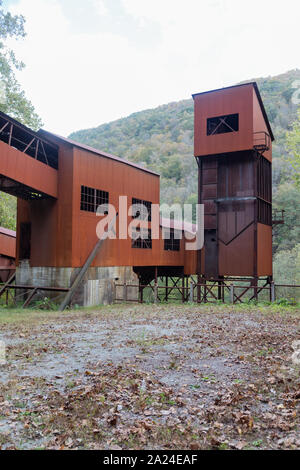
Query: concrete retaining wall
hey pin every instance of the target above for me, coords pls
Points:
(98, 286)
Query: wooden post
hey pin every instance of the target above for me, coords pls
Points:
(167, 290)
(272, 289)
(114, 288)
(155, 293)
(156, 286)
(187, 289)
(192, 292)
(205, 291)
(30, 297)
(220, 289)
(231, 293)
(125, 292)
(8, 282)
(141, 295)
(255, 288)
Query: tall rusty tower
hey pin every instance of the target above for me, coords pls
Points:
(233, 149)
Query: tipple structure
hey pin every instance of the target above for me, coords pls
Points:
(60, 184)
(233, 149)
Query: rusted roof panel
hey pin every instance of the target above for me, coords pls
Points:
(96, 151)
(8, 232)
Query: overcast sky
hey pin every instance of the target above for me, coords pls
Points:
(93, 61)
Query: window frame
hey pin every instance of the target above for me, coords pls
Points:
(92, 198)
(172, 243)
(221, 121)
(139, 242)
(135, 202)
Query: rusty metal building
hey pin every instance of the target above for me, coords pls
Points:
(60, 183)
(7, 253)
(233, 149)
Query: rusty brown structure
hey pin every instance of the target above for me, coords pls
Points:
(233, 150)
(59, 184)
(7, 253)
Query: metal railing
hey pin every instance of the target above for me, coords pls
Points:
(261, 141)
(278, 217)
(204, 292)
(26, 293)
(27, 141)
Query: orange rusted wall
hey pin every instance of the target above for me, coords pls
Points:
(8, 263)
(7, 245)
(233, 183)
(259, 123)
(22, 168)
(23, 215)
(236, 259)
(190, 261)
(65, 208)
(44, 236)
(51, 220)
(228, 101)
(119, 179)
(171, 258)
(62, 235)
(7, 253)
(264, 250)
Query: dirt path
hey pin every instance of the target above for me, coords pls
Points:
(168, 377)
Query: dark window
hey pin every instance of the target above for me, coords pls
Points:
(141, 238)
(25, 240)
(264, 212)
(92, 198)
(142, 210)
(264, 179)
(223, 124)
(172, 243)
(264, 191)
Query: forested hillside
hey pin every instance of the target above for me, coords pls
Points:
(162, 139)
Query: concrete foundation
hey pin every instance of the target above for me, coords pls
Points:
(97, 288)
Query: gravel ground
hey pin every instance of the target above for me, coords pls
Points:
(151, 377)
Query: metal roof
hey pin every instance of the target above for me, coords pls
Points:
(254, 84)
(48, 135)
(23, 127)
(96, 151)
(8, 232)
